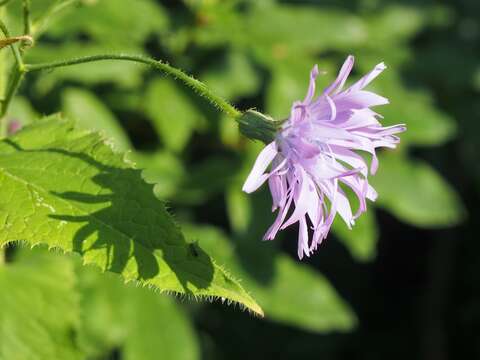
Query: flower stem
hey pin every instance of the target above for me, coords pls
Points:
(193, 83)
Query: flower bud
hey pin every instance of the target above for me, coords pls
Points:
(258, 126)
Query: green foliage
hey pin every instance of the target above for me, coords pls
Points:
(74, 193)
(173, 114)
(288, 292)
(255, 53)
(39, 309)
(415, 193)
(90, 113)
(115, 315)
(55, 308)
(362, 238)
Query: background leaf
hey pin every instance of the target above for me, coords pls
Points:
(295, 294)
(415, 193)
(145, 324)
(90, 113)
(174, 116)
(39, 309)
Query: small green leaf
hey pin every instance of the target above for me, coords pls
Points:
(362, 239)
(108, 21)
(89, 113)
(286, 30)
(21, 110)
(232, 76)
(72, 192)
(174, 115)
(295, 294)
(416, 193)
(239, 208)
(426, 125)
(173, 182)
(163, 169)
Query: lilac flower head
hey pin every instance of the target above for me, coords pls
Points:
(314, 158)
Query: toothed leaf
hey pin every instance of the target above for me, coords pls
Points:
(66, 188)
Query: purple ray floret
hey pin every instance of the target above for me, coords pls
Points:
(314, 158)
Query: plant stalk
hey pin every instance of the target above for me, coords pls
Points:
(27, 23)
(191, 82)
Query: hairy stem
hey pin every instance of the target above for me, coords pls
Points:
(193, 83)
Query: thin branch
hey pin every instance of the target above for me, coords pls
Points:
(16, 53)
(27, 24)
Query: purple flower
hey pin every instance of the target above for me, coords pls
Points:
(314, 158)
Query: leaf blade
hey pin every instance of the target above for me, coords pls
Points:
(80, 196)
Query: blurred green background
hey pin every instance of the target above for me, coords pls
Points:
(404, 284)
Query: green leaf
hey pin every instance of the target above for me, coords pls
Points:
(232, 76)
(426, 125)
(89, 113)
(414, 192)
(39, 309)
(163, 169)
(174, 115)
(72, 192)
(115, 315)
(102, 20)
(285, 30)
(173, 182)
(295, 294)
(362, 239)
(395, 24)
(239, 208)
(21, 110)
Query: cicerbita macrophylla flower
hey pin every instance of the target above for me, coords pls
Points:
(315, 157)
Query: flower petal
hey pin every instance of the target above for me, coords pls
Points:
(311, 86)
(257, 177)
(337, 85)
(358, 100)
(302, 239)
(367, 79)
